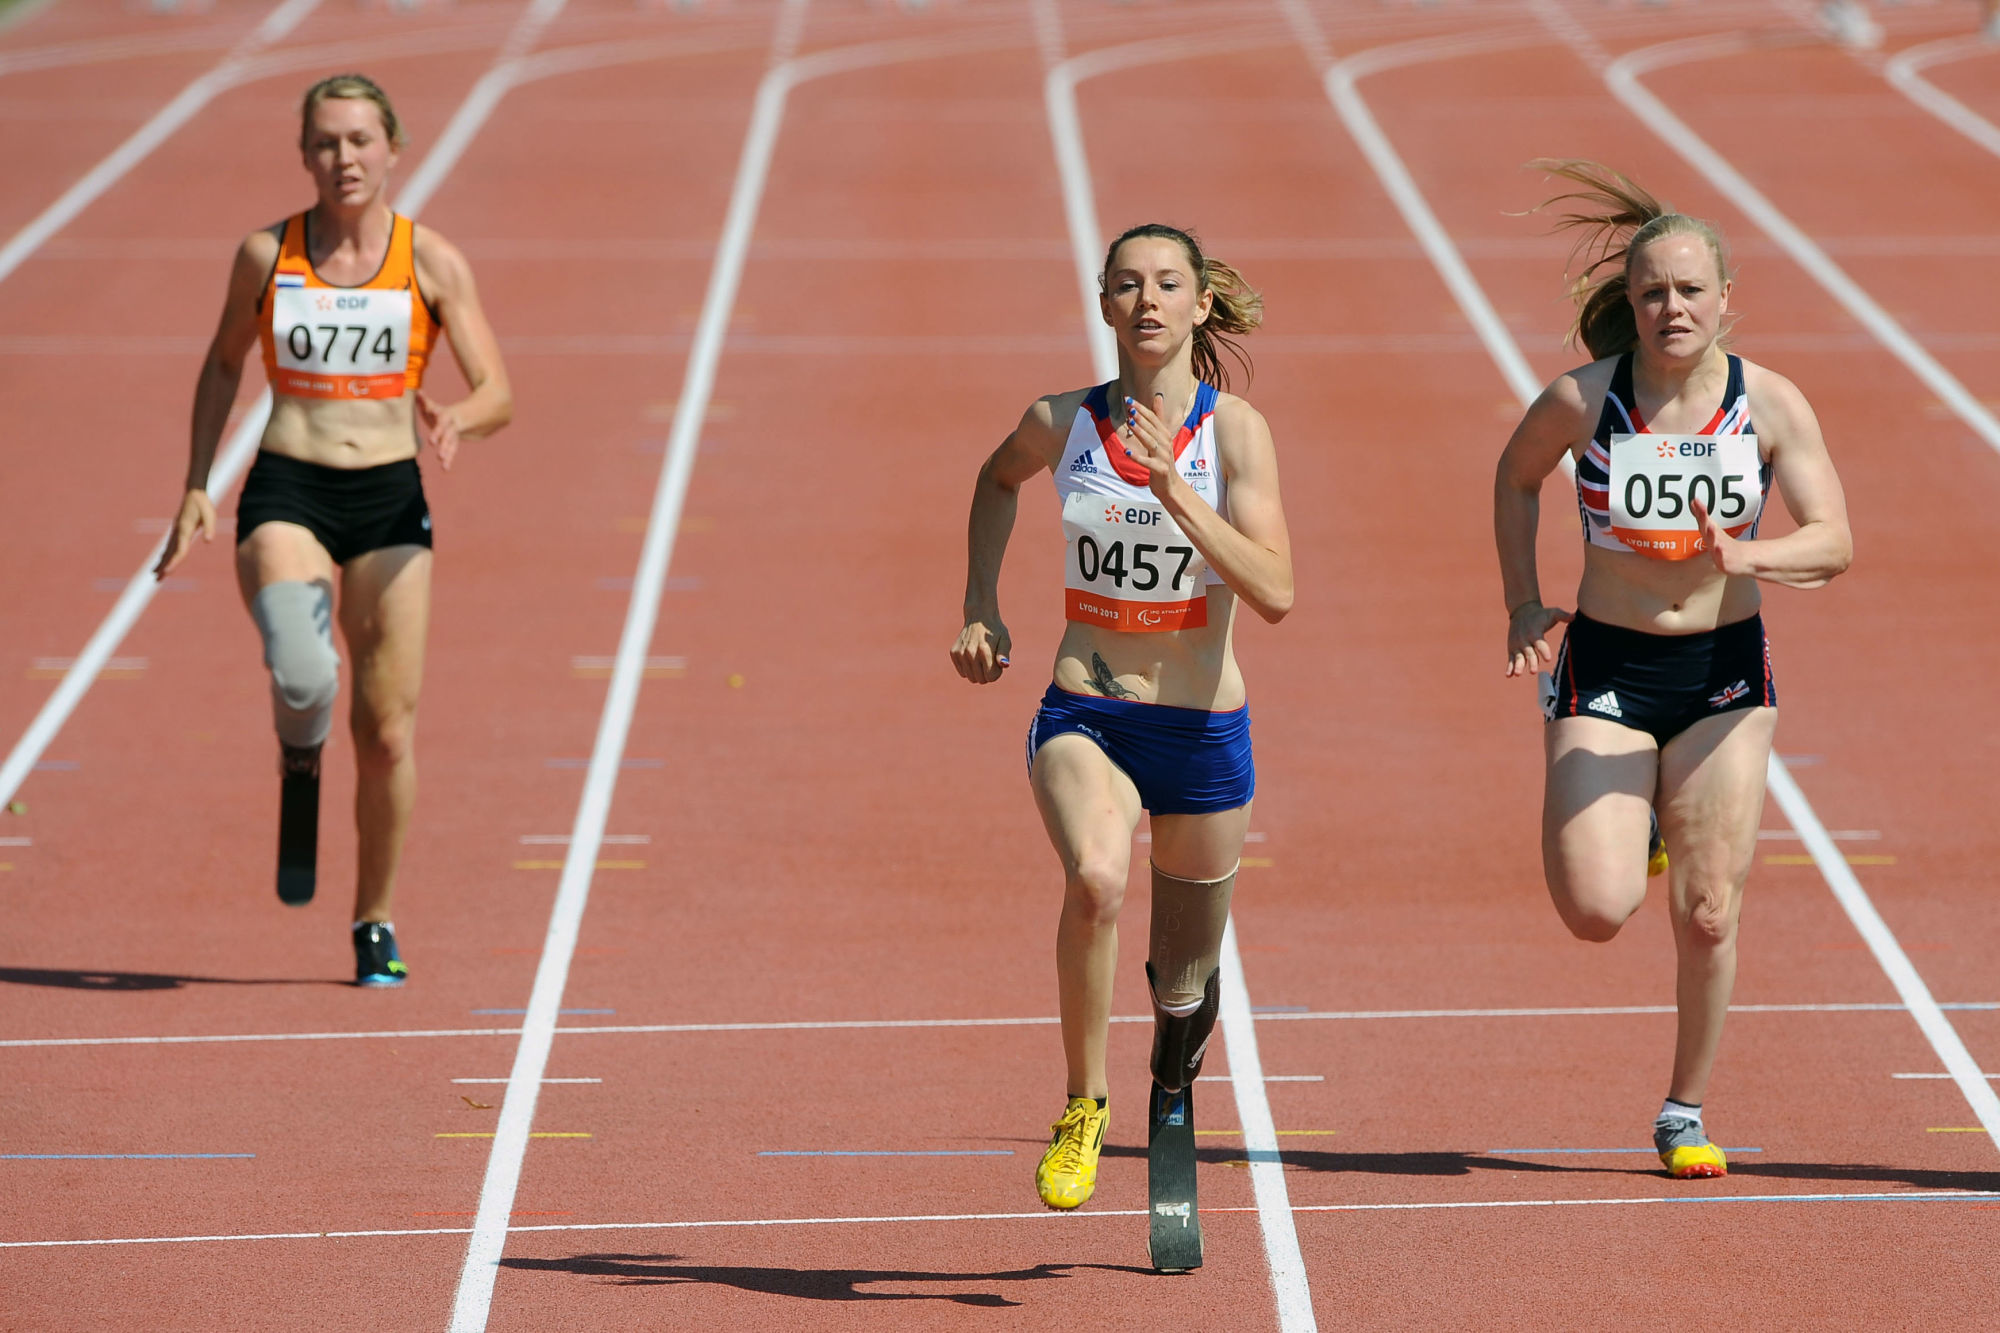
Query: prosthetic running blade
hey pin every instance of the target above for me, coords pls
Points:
(1174, 1240)
(298, 827)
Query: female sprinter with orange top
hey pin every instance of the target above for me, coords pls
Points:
(1170, 508)
(1661, 702)
(348, 299)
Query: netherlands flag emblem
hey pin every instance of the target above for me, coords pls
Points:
(283, 279)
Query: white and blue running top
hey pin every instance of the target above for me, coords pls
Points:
(1129, 566)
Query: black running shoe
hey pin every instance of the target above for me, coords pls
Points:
(376, 962)
(298, 824)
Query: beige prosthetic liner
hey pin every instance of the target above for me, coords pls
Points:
(1188, 919)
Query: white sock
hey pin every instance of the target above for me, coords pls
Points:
(1674, 1110)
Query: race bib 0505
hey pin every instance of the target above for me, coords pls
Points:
(1654, 476)
(335, 342)
(1130, 567)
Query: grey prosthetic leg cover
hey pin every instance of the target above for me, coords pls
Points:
(296, 620)
(1189, 916)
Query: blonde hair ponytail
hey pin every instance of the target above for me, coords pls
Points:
(1617, 218)
(1237, 307)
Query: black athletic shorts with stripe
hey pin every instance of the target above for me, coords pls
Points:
(1660, 684)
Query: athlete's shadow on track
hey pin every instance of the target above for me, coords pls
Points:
(69, 978)
(812, 1284)
(1465, 1163)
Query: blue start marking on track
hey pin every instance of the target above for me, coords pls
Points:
(920, 1152)
(118, 1156)
(560, 1011)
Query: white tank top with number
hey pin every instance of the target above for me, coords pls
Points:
(1129, 566)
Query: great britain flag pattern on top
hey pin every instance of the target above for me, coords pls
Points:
(1128, 565)
(1645, 507)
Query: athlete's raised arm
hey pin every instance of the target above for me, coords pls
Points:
(1822, 546)
(447, 281)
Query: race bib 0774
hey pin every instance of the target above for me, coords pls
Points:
(1130, 567)
(1654, 476)
(337, 342)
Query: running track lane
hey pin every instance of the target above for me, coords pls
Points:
(350, 1133)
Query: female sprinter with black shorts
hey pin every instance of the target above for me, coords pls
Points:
(348, 299)
(1661, 702)
(1169, 491)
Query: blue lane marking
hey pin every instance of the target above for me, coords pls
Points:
(925, 1152)
(1538, 1152)
(1278, 1009)
(117, 1156)
(560, 1011)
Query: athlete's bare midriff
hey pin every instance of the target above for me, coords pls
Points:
(1662, 596)
(1185, 668)
(342, 433)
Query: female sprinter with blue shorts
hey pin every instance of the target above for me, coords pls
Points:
(348, 299)
(1170, 507)
(1661, 703)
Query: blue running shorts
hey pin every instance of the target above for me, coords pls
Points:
(1184, 761)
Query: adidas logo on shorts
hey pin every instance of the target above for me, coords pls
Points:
(1607, 704)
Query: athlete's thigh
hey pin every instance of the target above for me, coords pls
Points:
(280, 553)
(1088, 805)
(1204, 846)
(385, 605)
(1712, 795)
(1597, 801)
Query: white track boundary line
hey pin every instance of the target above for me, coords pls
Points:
(1045, 1215)
(1846, 888)
(243, 441)
(1289, 1285)
(1904, 71)
(901, 1024)
(481, 1268)
(164, 122)
(503, 1171)
(1622, 77)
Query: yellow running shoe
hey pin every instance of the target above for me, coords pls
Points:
(1656, 852)
(1686, 1152)
(1068, 1171)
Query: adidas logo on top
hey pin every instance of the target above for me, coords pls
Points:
(1083, 463)
(1607, 704)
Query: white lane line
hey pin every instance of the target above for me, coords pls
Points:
(1903, 975)
(1622, 77)
(562, 839)
(1043, 1215)
(481, 1268)
(503, 1169)
(1990, 1076)
(1289, 1285)
(1833, 866)
(241, 446)
(1905, 69)
(169, 118)
(96, 50)
(546, 1080)
(902, 1024)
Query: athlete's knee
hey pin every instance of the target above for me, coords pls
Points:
(1594, 921)
(1095, 886)
(383, 739)
(1708, 922)
(296, 622)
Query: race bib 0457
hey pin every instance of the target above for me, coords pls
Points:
(1130, 567)
(336, 342)
(1654, 476)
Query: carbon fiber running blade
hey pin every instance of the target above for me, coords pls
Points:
(298, 834)
(1174, 1238)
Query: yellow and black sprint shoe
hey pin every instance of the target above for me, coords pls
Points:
(1068, 1171)
(1656, 852)
(1685, 1150)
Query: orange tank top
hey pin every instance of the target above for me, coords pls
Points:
(322, 340)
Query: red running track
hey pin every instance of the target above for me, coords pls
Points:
(838, 828)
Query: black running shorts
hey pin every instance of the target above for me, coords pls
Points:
(1661, 684)
(351, 510)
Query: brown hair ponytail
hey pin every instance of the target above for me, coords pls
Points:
(1237, 307)
(1617, 218)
